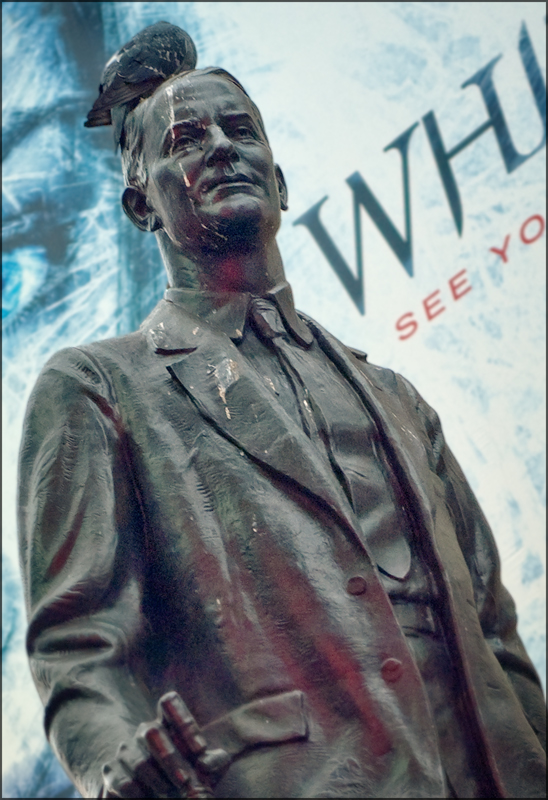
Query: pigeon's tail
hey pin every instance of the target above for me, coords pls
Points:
(98, 117)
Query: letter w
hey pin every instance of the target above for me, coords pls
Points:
(363, 196)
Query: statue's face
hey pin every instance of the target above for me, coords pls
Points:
(211, 176)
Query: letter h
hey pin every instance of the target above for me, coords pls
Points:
(512, 159)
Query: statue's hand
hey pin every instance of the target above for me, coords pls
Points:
(166, 758)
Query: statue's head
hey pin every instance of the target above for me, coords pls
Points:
(197, 163)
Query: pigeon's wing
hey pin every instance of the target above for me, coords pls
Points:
(165, 49)
(119, 94)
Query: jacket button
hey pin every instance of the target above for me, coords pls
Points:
(391, 670)
(356, 585)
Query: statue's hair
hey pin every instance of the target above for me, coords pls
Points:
(134, 165)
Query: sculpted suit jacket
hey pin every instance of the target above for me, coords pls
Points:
(179, 537)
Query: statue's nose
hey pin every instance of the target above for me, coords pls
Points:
(220, 147)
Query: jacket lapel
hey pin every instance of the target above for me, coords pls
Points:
(228, 393)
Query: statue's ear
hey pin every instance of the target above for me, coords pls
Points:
(282, 188)
(135, 205)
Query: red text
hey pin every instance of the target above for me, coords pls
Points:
(433, 306)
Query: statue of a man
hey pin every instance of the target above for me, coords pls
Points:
(253, 567)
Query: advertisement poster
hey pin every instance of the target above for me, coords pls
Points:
(412, 139)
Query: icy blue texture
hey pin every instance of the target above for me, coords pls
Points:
(74, 269)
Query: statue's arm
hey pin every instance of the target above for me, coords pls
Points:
(496, 608)
(81, 543)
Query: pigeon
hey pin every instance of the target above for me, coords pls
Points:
(137, 69)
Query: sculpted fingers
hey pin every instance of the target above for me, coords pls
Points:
(133, 774)
(181, 724)
(139, 761)
(159, 743)
(155, 739)
(184, 731)
(207, 764)
(118, 783)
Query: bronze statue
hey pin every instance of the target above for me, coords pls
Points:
(253, 567)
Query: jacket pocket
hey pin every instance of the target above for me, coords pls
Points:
(270, 720)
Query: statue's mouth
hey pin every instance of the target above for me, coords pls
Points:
(236, 178)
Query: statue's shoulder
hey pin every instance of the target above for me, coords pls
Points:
(114, 350)
(117, 349)
(99, 363)
(93, 370)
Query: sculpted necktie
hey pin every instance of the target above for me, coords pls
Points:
(269, 326)
(386, 538)
(268, 323)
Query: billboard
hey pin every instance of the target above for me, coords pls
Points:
(412, 138)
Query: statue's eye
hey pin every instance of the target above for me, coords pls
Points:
(182, 139)
(185, 142)
(244, 132)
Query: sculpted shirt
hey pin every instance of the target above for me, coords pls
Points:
(313, 391)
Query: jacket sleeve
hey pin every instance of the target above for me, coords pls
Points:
(81, 544)
(495, 606)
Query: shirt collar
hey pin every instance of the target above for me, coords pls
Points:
(228, 310)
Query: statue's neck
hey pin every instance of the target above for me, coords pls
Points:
(254, 270)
